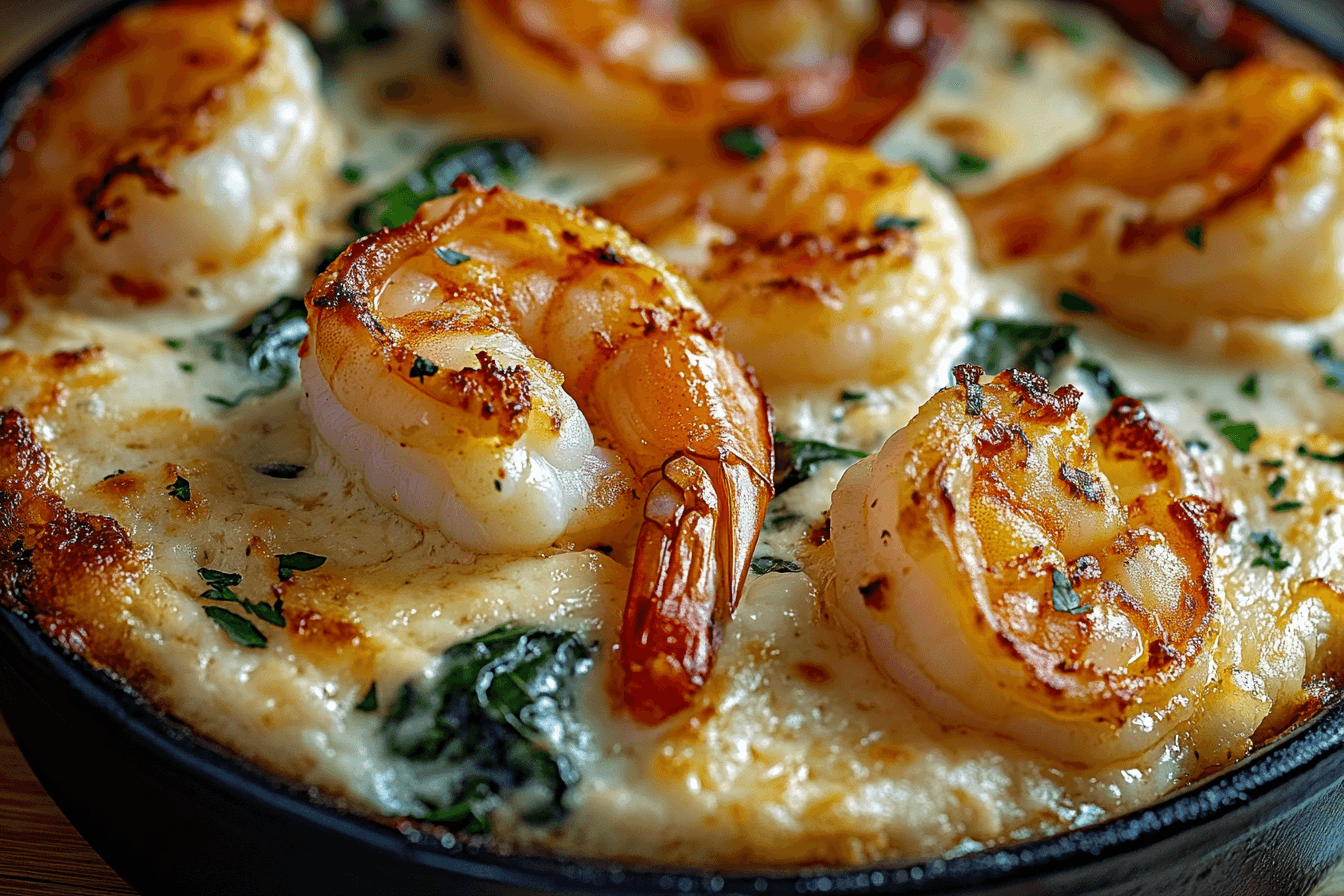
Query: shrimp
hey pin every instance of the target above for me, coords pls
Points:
(1011, 573)
(514, 372)
(183, 151)
(1227, 205)
(823, 264)
(669, 77)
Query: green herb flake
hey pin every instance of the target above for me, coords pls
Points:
(1025, 345)
(1304, 451)
(1071, 30)
(273, 614)
(749, 142)
(490, 162)
(268, 346)
(221, 584)
(450, 256)
(896, 222)
(180, 489)
(1019, 62)
(1194, 235)
(1270, 551)
(1276, 487)
(762, 565)
(238, 628)
(1063, 597)
(1284, 506)
(186, 368)
(964, 164)
(1240, 435)
(1332, 368)
(299, 561)
(423, 367)
(848, 396)
(369, 703)
(797, 460)
(1103, 378)
(174, 344)
(1250, 387)
(1070, 301)
(352, 174)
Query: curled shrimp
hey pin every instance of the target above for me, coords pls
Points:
(1226, 205)
(512, 372)
(823, 264)
(668, 77)
(184, 149)
(1010, 572)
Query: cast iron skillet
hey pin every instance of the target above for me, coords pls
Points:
(174, 814)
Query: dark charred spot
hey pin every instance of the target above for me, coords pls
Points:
(570, 237)
(1161, 654)
(515, 225)
(1032, 393)
(607, 255)
(498, 396)
(813, 673)
(819, 534)
(106, 214)
(875, 593)
(1081, 483)
(968, 377)
(1085, 569)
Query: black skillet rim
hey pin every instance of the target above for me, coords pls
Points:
(1238, 787)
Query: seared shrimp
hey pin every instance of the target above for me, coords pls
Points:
(1229, 204)
(183, 150)
(468, 364)
(823, 264)
(1010, 574)
(667, 77)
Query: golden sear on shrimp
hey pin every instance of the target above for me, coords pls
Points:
(824, 264)
(184, 148)
(667, 77)
(512, 371)
(1226, 205)
(1008, 571)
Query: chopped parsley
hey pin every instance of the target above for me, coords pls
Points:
(797, 460)
(174, 344)
(1103, 378)
(180, 489)
(221, 588)
(1071, 301)
(747, 142)
(1063, 597)
(299, 561)
(1284, 506)
(853, 396)
(1194, 235)
(896, 222)
(1270, 551)
(423, 367)
(490, 162)
(238, 628)
(1071, 30)
(1250, 387)
(351, 174)
(964, 164)
(450, 256)
(1304, 451)
(762, 565)
(1240, 435)
(369, 703)
(1276, 487)
(1332, 368)
(1026, 345)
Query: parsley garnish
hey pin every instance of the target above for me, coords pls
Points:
(1063, 597)
(352, 174)
(1286, 505)
(180, 489)
(1276, 487)
(1026, 345)
(423, 367)
(174, 344)
(896, 222)
(1071, 30)
(450, 256)
(965, 164)
(1270, 549)
(1241, 435)
(748, 142)
(242, 631)
(1333, 368)
(221, 584)
(763, 565)
(299, 561)
(1071, 301)
(797, 460)
(370, 701)
(853, 396)
(1304, 451)
(1250, 387)
(1194, 235)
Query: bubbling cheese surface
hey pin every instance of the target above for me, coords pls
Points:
(799, 750)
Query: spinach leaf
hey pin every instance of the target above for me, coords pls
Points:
(268, 346)
(489, 161)
(490, 724)
(999, 345)
(798, 459)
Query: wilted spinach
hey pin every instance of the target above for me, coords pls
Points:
(1037, 346)
(489, 161)
(488, 724)
(797, 459)
(268, 346)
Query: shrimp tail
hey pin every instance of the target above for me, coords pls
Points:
(701, 520)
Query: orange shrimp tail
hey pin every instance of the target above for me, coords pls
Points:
(701, 521)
